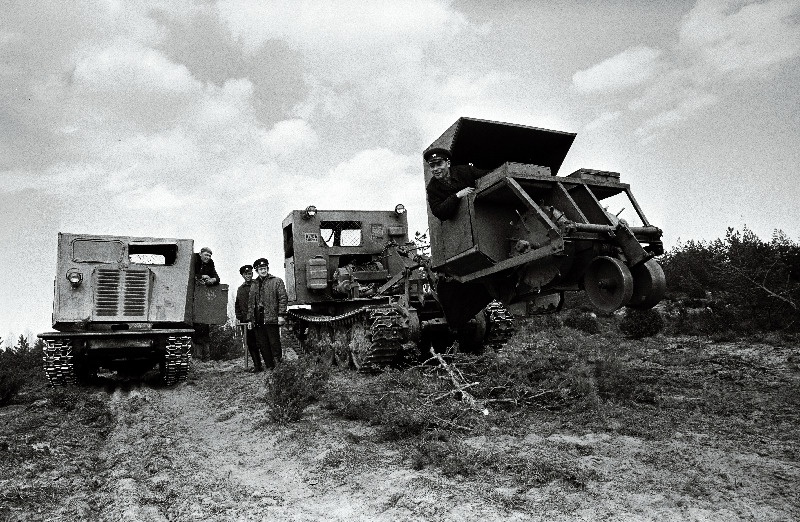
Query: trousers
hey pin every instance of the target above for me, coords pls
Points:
(201, 341)
(268, 340)
(252, 348)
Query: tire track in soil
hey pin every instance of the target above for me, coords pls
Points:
(206, 450)
(182, 454)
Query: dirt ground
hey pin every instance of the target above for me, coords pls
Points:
(207, 450)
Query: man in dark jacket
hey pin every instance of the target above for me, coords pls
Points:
(204, 273)
(449, 184)
(240, 308)
(266, 312)
(204, 269)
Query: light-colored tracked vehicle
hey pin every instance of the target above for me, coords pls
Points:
(522, 239)
(126, 304)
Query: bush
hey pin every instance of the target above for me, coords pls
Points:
(755, 284)
(294, 386)
(583, 321)
(225, 344)
(10, 384)
(401, 403)
(639, 324)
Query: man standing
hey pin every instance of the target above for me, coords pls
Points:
(266, 312)
(449, 184)
(240, 308)
(204, 273)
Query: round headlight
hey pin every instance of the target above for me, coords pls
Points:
(400, 209)
(74, 277)
(311, 211)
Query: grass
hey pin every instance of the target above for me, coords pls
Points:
(293, 386)
(559, 379)
(62, 425)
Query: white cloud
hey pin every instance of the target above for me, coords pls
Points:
(719, 41)
(332, 27)
(745, 39)
(289, 137)
(602, 120)
(127, 67)
(682, 110)
(150, 198)
(629, 68)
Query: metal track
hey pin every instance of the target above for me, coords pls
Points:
(176, 359)
(386, 330)
(59, 363)
(330, 320)
(499, 325)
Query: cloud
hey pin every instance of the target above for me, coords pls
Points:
(289, 137)
(126, 67)
(719, 41)
(347, 24)
(151, 198)
(631, 67)
(602, 120)
(731, 37)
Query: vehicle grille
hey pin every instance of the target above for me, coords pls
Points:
(121, 294)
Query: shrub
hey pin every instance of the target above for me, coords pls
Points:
(294, 386)
(755, 284)
(639, 324)
(225, 344)
(455, 458)
(401, 403)
(10, 384)
(618, 379)
(584, 321)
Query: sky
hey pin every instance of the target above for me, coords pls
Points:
(212, 120)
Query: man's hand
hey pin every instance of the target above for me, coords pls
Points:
(465, 192)
(281, 321)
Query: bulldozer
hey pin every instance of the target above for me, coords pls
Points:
(524, 237)
(126, 304)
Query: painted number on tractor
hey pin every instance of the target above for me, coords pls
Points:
(312, 237)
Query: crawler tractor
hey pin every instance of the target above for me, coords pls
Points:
(520, 241)
(126, 304)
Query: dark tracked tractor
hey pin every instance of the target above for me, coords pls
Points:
(527, 235)
(360, 294)
(126, 304)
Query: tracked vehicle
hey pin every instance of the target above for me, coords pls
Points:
(383, 308)
(519, 242)
(126, 304)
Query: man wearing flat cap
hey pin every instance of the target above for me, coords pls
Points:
(240, 308)
(449, 184)
(266, 312)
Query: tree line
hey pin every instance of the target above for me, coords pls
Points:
(740, 284)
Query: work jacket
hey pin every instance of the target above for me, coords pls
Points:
(442, 194)
(268, 293)
(201, 269)
(242, 298)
